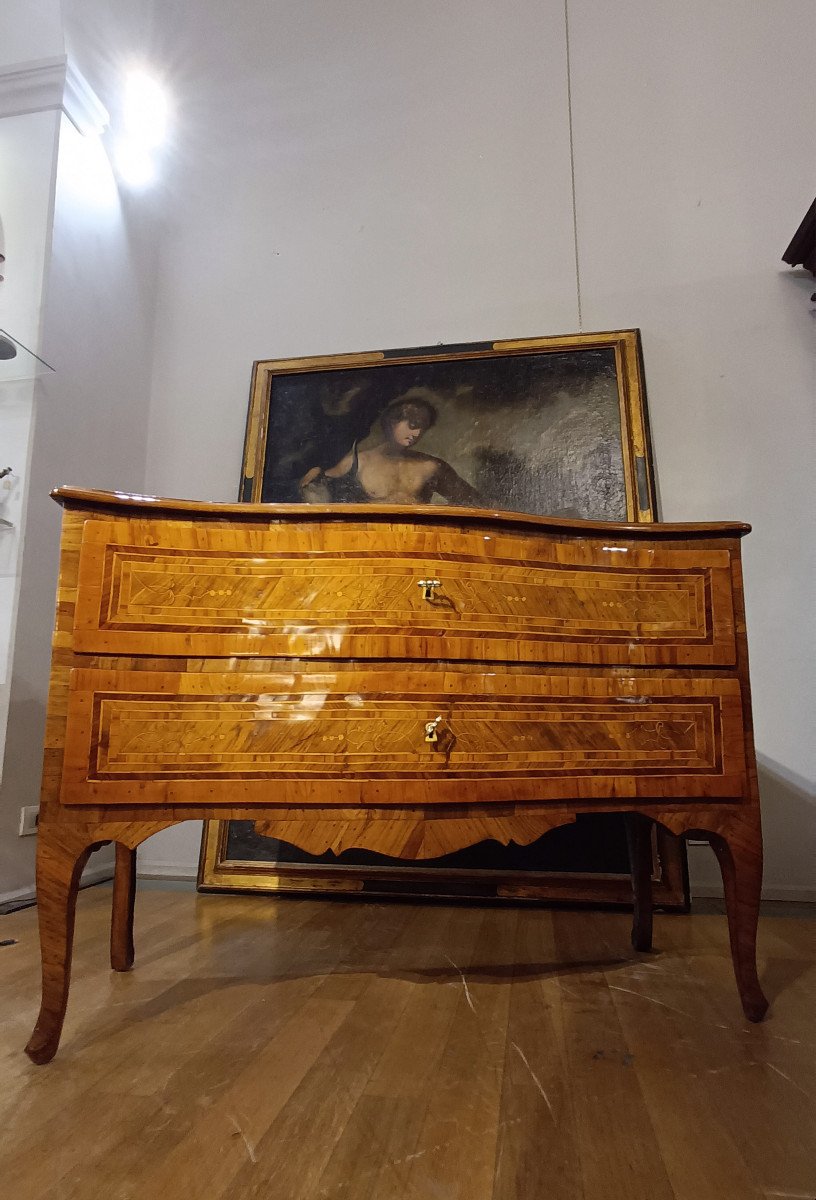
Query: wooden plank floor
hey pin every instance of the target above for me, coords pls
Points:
(321, 1050)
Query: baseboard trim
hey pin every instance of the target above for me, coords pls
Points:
(791, 893)
(90, 876)
(167, 871)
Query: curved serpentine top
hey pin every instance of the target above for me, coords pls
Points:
(128, 504)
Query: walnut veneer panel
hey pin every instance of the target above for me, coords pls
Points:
(252, 738)
(174, 587)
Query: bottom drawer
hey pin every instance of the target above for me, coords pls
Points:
(398, 736)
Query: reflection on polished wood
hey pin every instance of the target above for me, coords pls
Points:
(536, 738)
(196, 675)
(325, 1050)
(322, 591)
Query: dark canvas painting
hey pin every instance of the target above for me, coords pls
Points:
(532, 433)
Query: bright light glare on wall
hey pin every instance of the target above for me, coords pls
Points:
(145, 114)
(134, 164)
(145, 110)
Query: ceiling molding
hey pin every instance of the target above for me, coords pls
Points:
(51, 85)
(81, 105)
(32, 87)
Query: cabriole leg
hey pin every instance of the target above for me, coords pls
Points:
(740, 857)
(60, 861)
(124, 898)
(639, 838)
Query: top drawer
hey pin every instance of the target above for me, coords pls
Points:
(351, 590)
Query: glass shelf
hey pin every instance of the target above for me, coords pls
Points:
(17, 362)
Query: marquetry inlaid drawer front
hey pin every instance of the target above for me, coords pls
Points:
(345, 590)
(340, 737)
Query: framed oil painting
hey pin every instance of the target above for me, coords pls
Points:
(553, 426)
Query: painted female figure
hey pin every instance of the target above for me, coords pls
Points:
(392, 471)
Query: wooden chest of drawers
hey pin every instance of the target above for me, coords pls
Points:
(409, 681)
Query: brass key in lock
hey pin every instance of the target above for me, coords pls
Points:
(428, 586)
(430, 730)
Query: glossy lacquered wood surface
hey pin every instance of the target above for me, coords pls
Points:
(347, 737)
(130, 504)
(356, 591)
(405, 750)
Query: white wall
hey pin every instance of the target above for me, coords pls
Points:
(694, 131)
(92, 428)
(352, 176)
(95, 326)
(30, 31)
(27, 155)
(27, 144)
(371, 175)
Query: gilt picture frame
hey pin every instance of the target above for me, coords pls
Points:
(555, 426)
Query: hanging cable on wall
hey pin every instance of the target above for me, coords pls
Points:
(572, 171)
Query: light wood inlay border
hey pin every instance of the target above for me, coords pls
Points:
(502, 736)
(307, 591)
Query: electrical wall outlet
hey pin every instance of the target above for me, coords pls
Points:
(29, 816)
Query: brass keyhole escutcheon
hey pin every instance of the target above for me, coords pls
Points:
(431, 734)
(428, 586)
